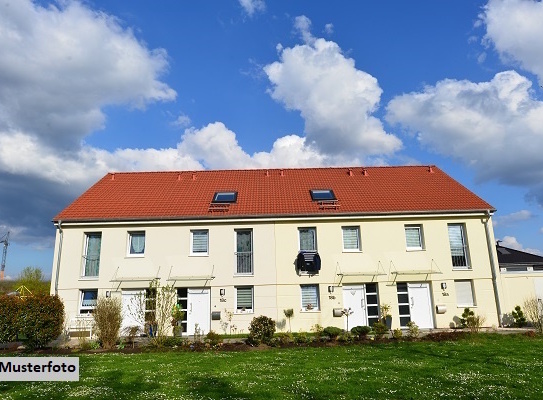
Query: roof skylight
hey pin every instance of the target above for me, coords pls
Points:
(225, 197)
(322, 194)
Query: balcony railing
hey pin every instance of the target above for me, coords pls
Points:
(244, 262)
(91, 266)
(459, 256)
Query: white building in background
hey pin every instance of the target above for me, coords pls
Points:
(257, 242)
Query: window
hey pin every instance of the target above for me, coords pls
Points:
(310, 297)
(244, 252)
(225, 197)
(308, 239)
(459, 249)
(413, 237)
(351, 238)
(136, 243)
(199, 242)
(404, 307)
(150, 305)
(88, 300)
(91, 259)
(244, 299)
(322, 194)
(464, 293)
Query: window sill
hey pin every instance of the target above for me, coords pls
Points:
(238, 312)
(352, 251)
(303, 310)
(465, 306)
(410, 249)
(88, 278)
(135, 255)
(242, 275)
(199, 255)
(462, 269)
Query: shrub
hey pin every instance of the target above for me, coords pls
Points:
(397, 334)
(302, 338)
(332, 332)
(261, 330)
(380, 329)
(41, 320)
(10, 307)
(518, 315)
(361, 331)
(471, 321)
(345, 337)
(318, 330)
(107, 320)
(285, 337)
(213, 338)
(534, 312)
(413, 330)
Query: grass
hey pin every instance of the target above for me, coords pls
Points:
(485, 366)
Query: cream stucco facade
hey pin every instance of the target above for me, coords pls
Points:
(419, 284)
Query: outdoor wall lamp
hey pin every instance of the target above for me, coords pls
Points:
(222, 292)
(108, 294)
(443, 285)
(330, 289)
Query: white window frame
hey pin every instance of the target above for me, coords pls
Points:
(129, 247)
(300, 238)
(358, 246)
(88, 235)
(465, 246)
(411, 227)
(88, 308)
(199, 253)
(304, 304)
(249, 254)
(464, 288)
(246, 310)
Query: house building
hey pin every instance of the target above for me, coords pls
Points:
(242, 243)
(520, 278)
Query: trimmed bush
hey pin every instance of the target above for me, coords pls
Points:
(41, 320)
(361, 331)
(261, 330)
(107, 320)
(10, 307)
(213, 338)
(380, 329)
(332, 332)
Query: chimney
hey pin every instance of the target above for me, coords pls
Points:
(431, 169)
(350, 172)
(282, 173)
(113, 176)
(364, 172)
(194, 176)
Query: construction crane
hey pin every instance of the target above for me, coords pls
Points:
(5, 240)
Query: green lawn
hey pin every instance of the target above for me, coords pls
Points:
(485, 366)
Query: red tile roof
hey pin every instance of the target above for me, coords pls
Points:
(272, 192)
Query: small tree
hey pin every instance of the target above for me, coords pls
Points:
(518, 315)
(289, 313)
(472, 321)
(261, 329)
(107, 320)
(32, 278)
(534, 312)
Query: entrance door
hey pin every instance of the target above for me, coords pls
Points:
(364, 305)
(198, 311)
(538, 283)
(133, 308)
(420, 304)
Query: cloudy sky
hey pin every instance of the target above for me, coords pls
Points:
(95, 86)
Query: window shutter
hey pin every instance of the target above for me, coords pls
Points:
(310, 295)
(412, 237)
(244, 298)
(464, 293)
(350, 238)
(199, 241)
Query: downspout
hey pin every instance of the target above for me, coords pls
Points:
(490, 246)
(59, 227)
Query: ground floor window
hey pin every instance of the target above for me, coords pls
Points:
(87, 302)
(182, 301)
(310, 297)
(372, 303)
(404, 310)
(244, 299)
(464, 293)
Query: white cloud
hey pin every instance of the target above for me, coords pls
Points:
(182, 121)
(335, 99)
(251, 7)
(494, 127)
(515, 29)
(513, 218)
(61, 65)
(512, 243)
(329, 29)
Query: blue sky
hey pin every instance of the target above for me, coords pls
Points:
(97, 86)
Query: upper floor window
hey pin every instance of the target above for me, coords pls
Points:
(308, 239)
(136, 243)
(351, 238)
(413, 237)
(91, 258)
(88, 300)
(199, 242)
(244, 251)
(459, 248)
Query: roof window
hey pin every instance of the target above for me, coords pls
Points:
(225, 197)
(322, 194)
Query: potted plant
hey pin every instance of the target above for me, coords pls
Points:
(386, 318)
(177, 318)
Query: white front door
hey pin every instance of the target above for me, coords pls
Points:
(538, 283)
(198, 311)
(363, 302)
(133, 311)
(353, 300)
(420, 304)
